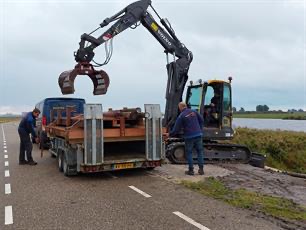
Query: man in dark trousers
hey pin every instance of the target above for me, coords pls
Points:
(192, 124)
(215, 101)
(26, 127)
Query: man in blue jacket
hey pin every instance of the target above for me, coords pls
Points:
(26, 127)
(191, 122)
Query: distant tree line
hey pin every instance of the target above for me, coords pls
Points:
(295, 110)
(265, 108)
(262, 108)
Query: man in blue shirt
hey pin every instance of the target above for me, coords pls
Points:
(26, 127)
(191, 122)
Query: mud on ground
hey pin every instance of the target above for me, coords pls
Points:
(266, 182)
(236, 176)
(269, 183)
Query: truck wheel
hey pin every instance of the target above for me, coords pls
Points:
(60, 161)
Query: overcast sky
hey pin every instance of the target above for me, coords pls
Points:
(260, 43)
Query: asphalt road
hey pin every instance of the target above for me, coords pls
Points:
(40, 197)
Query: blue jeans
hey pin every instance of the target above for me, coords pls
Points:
(25, 146)
(197, 143)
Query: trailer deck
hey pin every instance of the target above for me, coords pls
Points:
(113, 140)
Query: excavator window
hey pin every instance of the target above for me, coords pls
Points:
(212, 105)
(226, 99)
(195, 98)
(209, 95)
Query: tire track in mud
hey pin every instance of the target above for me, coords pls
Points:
(276, 187)
(266, 182)
(269, 183)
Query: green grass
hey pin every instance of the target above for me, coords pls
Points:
(285, 150)
(274, 206)
(8, 119)
(272, 115)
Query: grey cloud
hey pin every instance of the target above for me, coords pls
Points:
(261, 44)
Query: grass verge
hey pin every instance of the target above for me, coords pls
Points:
(274, 206)
(285, 150)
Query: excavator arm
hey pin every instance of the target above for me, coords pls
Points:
(130, 17)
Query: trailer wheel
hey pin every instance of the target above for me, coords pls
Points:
(65, 167)
(69, 170)
(60, 161)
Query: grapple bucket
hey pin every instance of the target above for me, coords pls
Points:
(99, 79)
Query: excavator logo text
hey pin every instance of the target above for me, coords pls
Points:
(164, 37)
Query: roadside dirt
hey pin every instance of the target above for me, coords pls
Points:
(254, 179)
(269, 183)
(266, 182)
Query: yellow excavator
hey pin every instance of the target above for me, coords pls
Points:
(213, 98)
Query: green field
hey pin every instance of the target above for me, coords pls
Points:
(8, 119)
(271, 115)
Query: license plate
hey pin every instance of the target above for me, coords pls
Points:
(124, 166)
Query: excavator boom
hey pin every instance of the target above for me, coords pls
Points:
(130, 17)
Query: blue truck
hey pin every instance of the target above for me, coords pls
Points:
(54, 103)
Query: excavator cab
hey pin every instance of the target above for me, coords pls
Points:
(213, 100)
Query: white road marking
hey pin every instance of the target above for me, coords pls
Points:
(6, 163)
(139, 191)
(7, 188)
(4, 147)
(3, 132)
(6, 173)
(5, 151)
(191, 221)
(8, 215)
(5, 156)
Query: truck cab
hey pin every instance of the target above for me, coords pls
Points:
(54, 103)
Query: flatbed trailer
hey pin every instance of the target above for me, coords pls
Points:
(113, 140)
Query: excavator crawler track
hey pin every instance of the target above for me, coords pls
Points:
(99, 79)
(213, 153)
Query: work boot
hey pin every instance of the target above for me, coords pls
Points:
(189, 172)
(201, 171)
(23, 162)
(32, 163)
